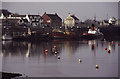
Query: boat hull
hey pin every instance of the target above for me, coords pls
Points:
(58, 35)
(92, 36)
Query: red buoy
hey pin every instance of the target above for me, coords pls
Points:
(118, 44)
(105, 48)
(46, 53)
(109, 51)
(46, 50)
(55, 47)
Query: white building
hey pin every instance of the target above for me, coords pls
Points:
(71, 21)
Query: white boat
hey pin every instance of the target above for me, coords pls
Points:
(92, 33)
(6, 37)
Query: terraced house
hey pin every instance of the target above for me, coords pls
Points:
(52, 20)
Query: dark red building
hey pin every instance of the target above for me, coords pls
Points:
(52, 19)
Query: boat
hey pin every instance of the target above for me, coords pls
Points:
(92, 33)
(58, 34)
(6, 37)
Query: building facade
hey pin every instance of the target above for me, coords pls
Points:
(34, 20)
(11, 19)
(71, 21)
(4, 13)
(52, 20)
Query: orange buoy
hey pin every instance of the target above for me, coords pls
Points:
(112, 42)
(104, 40)
(105, 48)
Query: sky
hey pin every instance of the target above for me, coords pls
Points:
(82, 10)
(59, 0)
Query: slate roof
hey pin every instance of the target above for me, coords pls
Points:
(16, 15)
(5, 12)
(73, 16)
(33, 15)
(25, 20)
(54, 16)
(106, 21)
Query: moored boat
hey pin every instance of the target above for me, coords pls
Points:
(6, 37)
(92, 33)
(58, 34)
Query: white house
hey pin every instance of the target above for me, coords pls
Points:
(71, 21)
(34, 20)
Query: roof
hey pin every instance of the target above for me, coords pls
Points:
(54, 16)
(25, 20)
(35, 16)
(16, 15)
(5, 12)
(73, 16)
(106, 21)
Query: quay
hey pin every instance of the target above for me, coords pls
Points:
(45, 32)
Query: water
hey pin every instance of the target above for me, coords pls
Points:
(30, 58)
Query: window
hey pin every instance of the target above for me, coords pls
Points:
(48, 21)
(37, 19)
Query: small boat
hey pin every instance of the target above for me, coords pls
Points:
(6, 37)
(92, 33)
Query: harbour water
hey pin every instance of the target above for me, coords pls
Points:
(76, 58)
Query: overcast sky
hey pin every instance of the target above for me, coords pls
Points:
(83, 10)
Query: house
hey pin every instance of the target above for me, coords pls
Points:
(52, 20)
(17, 16)
(10, 19)
(14, 22)
(75, 19)
(112, 21)
(34, 20)
(104, 22)
(29, 20)
(117, 22)
(71, 21)
(4, 13)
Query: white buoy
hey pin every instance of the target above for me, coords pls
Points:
(97, 67)
(79, 60)
(55, 52)
(55, 55)
(58, 57)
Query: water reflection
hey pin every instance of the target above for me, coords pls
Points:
(61, 57)
(30, 49)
